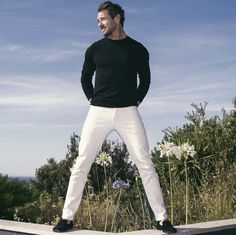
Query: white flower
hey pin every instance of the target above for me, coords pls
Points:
(169, 149)
(187, 150)
(166, 149)
(177, 152)
(104, 159)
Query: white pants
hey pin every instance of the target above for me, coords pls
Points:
(127, 123)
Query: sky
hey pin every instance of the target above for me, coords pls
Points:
(42, 44)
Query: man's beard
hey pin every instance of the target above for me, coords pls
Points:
(108, 31)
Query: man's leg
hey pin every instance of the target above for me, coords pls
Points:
(97, 126)
(130, 127)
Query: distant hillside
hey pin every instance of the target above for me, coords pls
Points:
(24, 179)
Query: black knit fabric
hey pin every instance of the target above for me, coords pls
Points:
(122, 73)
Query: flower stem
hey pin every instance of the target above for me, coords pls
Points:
(142, 206)
(117, 206)
(97, 177)
(89, 209)
(106, 185)
(186, 192)
(171, 193)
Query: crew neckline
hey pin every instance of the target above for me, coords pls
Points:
(118, 40)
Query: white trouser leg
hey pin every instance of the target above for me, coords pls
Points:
(129, 125)
(98, 124)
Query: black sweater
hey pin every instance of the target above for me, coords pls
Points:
(117, 64)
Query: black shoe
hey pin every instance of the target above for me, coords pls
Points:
(165, 226)
(63, 226)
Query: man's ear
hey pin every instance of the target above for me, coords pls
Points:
(117, 19)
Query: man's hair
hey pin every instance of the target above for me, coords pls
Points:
(113, 10)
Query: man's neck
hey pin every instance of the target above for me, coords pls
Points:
(119, 34)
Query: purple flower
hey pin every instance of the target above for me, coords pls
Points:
(119, 184)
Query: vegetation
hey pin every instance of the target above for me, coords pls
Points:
(196, 164)
(211, 172)
(12, 193)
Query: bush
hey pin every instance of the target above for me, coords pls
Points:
(212, 187)
(12, 193)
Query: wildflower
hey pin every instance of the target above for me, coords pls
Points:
(177, 152)
(187, 150)
(166, 149)
(104, 159)
(169, 149)
(119, 184)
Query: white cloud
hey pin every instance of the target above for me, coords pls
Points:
(11, 48)
(60, 50)
(147, 9)
(176, 96)
(40, 92)
(18, 126)
(42, 100)
(18, 83)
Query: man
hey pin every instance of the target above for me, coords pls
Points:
(117, 59)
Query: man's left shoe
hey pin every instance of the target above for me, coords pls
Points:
(63, 225)
(165, 226)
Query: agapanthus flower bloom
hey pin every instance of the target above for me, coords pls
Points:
(170, 149)
(104, 159)
(177, 152)
(166, 149)
(187, 150)
(119, 184)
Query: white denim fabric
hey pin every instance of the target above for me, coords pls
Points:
(127, 123)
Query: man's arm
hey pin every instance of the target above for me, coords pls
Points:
(144, 76)
(87, 74)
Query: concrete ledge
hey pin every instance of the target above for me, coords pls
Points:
(221, 227)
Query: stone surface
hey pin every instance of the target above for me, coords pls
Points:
(222, 227)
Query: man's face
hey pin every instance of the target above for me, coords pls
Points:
(106, 24)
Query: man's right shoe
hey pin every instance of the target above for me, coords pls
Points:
(63, 226)
(165, 226)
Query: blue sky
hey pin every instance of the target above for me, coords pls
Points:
(42, 43)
